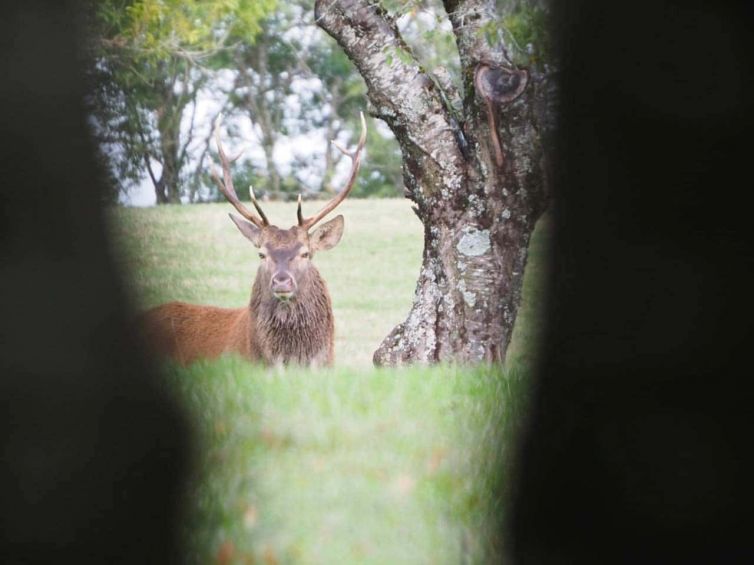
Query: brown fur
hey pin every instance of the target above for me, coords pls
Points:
(269, 330)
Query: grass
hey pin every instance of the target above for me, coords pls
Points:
(345, 465)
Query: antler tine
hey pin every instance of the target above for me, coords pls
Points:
(299, 215)
(257, 206)
(355, 156)
(226, 186)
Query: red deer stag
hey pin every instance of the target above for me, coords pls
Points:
(289, 318)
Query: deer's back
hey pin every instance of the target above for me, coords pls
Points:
(187, 332)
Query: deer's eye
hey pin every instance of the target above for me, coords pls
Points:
(304, 255)
(262, 255)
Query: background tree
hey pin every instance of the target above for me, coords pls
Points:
(294, 81)
(166, 69)
(473, 164)
(264, 75)
(153, 61)
(340, 99)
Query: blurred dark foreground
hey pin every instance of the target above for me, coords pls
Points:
(93, 454)
(639, 440)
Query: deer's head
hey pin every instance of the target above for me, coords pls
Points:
(286, 253)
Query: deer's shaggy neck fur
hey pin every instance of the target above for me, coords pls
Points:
(296, 331)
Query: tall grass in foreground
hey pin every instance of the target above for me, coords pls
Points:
(350, 464)
(347, 466)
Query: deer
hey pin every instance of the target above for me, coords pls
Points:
(289, 318)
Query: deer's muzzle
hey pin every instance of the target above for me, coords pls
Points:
(283, 286)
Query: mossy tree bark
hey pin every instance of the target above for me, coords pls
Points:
(474, 167)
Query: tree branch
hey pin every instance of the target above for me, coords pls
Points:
(147, 156)
(492, 82)
(398, 88)
(190, 135)
(206, 149)
(469, 19)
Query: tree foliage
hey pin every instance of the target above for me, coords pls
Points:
(153, 57)
(165, 69)
(192, 29)
(527, 27)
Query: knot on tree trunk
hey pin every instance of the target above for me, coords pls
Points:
(498, 85)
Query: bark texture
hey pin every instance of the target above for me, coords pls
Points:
(478, 183)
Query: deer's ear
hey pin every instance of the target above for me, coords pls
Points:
(249, 230)
(327, 235)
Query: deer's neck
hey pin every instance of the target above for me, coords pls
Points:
(299, 330)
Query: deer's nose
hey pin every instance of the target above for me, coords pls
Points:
(282, 282)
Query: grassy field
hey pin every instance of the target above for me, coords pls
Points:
(350, 464)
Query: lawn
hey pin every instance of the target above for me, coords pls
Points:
(349, 464)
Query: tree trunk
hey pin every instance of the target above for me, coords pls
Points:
(268, 146)
(326, 186)
(257, 106)
(331, 160)
(478, 186)
(160, 193)
(169, 114)
(169, 145)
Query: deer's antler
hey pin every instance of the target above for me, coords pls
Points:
(226, 185)
(355, 156)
